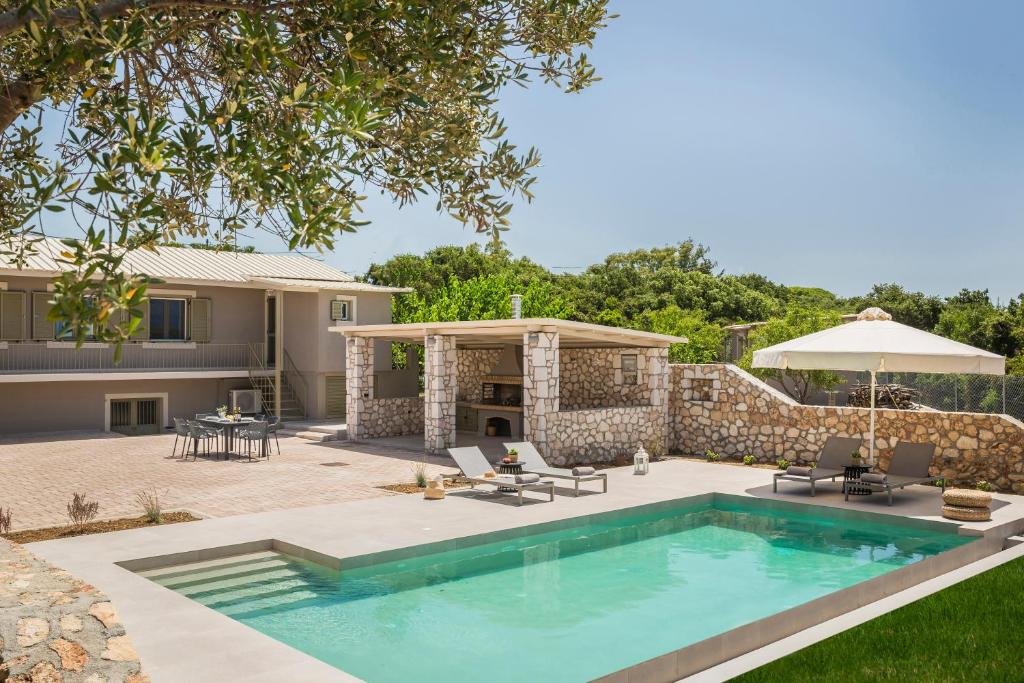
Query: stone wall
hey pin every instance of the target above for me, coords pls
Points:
(602, 434)
(729, 411)
(54, 627)
(470, 367)
(384, 417)
(593, 378)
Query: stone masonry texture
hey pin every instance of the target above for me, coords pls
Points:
(55, 628)
(723, 408)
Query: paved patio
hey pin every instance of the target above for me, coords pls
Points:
(39, 474)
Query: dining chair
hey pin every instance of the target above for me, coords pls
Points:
(180, 432)
(255, 434)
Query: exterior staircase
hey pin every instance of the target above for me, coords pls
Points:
(293, 387)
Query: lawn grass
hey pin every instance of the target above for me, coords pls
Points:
(973, 631)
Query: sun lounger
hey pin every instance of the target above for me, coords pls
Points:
(534, 462)
(475, 467)
(833, 456)
(909, 465)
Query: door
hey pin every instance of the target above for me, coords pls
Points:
(135, 416)
(335, 397)
(271, 330)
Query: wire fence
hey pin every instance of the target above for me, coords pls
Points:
(961, 393)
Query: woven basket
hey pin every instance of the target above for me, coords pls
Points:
(967, 498)
(963, 514)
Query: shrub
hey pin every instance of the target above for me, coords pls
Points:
(984, 486)
(782, 463)
(748, 460)
(5, 520)
(82, 511)
(419, 470)
(655, 448)
(149, 501)
(712, 456)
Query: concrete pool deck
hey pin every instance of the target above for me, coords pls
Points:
(178, 639)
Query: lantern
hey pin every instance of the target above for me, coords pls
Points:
(641, 461)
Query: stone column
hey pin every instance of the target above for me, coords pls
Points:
(358, 385)
(440, 384)
(658, 382)
(540, 386)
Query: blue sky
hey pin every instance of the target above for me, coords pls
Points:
(832, 144)
(821, 143)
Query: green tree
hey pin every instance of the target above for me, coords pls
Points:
(910, 308)
(797, 322)
(185, 119)
(705, 338)
(649, 280)
(485, 298)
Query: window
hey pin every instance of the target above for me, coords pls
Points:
(341, 309)
(167, 319)
(629, 368)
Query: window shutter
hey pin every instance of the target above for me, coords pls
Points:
(13, 316)
(42, 326)
(200, 320)
(142, 331)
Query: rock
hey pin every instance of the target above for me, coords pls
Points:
(965, 443)
(120, 649)
(73, 656)
(32, 630)
(137, 678)
(71, 623)
(105, 612)
(43, 672)
(96, 678)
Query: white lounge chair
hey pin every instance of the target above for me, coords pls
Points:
(534, 462)
(474, 466)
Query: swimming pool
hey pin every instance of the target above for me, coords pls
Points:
(570, 603)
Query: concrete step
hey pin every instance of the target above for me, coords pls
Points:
(308, 435)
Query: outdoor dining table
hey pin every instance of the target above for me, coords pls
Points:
(229, 427)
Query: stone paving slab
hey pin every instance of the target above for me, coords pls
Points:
(39, 474)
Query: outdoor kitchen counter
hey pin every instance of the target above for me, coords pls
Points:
(492, 406)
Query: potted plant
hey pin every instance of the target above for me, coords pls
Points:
(855, 458)
(222, 411)
(513, 455)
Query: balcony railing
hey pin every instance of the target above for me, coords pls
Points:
(38, 357)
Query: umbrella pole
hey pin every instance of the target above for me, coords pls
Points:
(871, 445)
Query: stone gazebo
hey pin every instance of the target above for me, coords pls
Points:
(583, 391)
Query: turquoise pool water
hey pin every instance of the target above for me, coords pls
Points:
(565, 605)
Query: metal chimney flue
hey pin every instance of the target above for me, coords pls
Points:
(517, 306)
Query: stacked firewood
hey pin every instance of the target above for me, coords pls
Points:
(886, 396)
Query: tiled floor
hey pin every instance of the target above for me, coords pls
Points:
(38, 475)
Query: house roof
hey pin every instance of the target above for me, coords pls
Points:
(201, 266)
(493, 333)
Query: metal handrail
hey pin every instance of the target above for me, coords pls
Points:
(291, 372)
(40, 357)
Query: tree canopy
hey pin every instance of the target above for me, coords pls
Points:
(148, 121)
(679, 290)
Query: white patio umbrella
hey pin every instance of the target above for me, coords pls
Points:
(876, 343)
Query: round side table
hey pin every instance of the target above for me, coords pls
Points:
(851, 475)
(512, 468)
